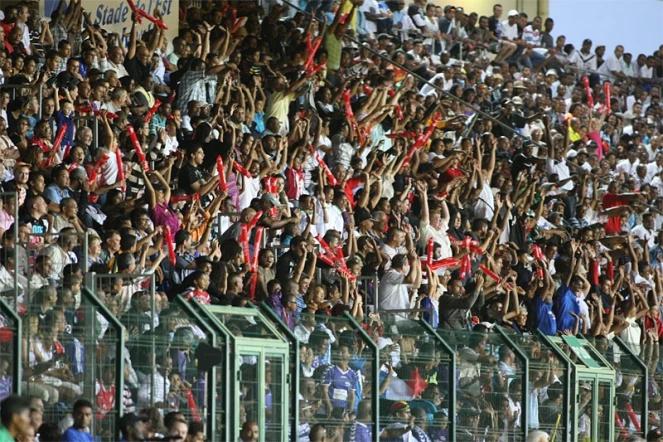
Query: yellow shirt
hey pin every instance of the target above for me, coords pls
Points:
(279, 104)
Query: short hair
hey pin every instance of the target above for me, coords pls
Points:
(11, 406)
(398, 261)
(195, 428)
(124, 260)
(82, 403)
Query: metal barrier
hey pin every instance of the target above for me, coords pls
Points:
(95, 127)
(17, 247)
(40, 92)
(10, 351)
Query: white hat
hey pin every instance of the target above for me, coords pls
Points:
(571, 154)
(551, 72)
(512, 13)
(517, 101)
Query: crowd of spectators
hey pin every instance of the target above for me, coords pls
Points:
(377, 159)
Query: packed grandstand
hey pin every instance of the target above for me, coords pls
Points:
(343, 221)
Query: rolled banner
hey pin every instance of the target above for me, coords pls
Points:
(429, 251)
(60, 136)
(367, 89)
(169, 243)
(139, 151)
(171, 96)
(239, 168)
(223, 185)
(326, 259)
(606, 89)
(153, 110)
(67, 151)
(254, 221)
(343, 18)
(120, 167)
(72, 167)
(92, 179)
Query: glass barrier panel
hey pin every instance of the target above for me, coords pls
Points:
(602, 415)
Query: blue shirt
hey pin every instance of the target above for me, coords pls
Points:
(545, 317)
(55, 194)
(567, 303)
(74, 435)
(68, 139)
(340, 384)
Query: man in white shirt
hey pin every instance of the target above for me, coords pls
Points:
(394, 293)
(630, 165)
(508, 29)
(584, 58)
(116, 62)
(645, 232)
(612, 67)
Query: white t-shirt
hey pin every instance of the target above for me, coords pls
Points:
(393, 294)
(612, 64)
(508, 32)
(370, 6)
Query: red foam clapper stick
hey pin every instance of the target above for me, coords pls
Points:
(153, 110)
(402, 135)
(330, 176)
(254, 221)
(239, 168)
(429, 251)
(60, 136)
(139, 151)
(158, 23)
(169, 242)
(588, 91)
(134, 9)
(223, 185)
(256, 248)
(120, 167)
(97, 113)
(490, 273)
(244, 239)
